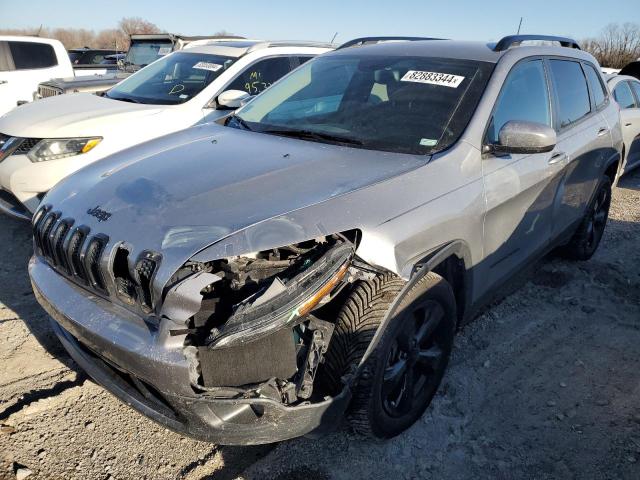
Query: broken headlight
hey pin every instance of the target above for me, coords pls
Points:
(261, 293)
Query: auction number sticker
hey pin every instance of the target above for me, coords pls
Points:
(433, 78)
(162, 51)
(213, 67)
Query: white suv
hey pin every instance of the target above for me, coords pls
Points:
(43, 142)
(24, 63)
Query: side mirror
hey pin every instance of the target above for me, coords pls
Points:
(518, 136)
(232, 99)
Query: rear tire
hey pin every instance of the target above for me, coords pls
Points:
(403, 372)
(586, 239)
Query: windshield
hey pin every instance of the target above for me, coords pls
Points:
(398, 104)
(171, 80)
(143, 53)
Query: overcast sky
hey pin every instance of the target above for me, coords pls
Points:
(319, 20)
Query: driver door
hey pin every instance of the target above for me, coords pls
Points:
(519, 188)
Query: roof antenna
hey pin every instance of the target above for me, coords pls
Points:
(334, 37)
(519, 25)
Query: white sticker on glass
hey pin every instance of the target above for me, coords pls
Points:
(433, 78)
(428, 142)
(213, 67)
(162, 51)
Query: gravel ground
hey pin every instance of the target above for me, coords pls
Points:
(545, 384)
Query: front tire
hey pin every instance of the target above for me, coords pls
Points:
(402, 374)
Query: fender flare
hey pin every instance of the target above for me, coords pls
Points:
(428, 262)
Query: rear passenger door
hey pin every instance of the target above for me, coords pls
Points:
(627, 95)
(584, 139)
(519, 188)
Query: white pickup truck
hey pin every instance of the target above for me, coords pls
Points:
(24, 63)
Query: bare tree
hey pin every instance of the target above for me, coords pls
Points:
(616, 46)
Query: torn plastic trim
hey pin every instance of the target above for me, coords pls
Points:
(303, 293)
(184, 300)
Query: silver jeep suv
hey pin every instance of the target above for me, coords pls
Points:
(312, 257)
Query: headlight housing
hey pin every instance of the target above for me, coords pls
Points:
(57, 148)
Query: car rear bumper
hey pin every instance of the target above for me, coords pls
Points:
(135, 362)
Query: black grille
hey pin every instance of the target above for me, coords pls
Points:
(75, 252)
(26, 145)
(63, 247)
(145, 270)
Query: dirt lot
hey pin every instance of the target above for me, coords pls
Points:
(546, 384)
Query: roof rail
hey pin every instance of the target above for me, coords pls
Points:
(365, 40)
(511, 40)
(289, 43)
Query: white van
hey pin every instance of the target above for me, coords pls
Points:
(24, 63)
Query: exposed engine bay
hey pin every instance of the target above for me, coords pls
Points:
(266, 319)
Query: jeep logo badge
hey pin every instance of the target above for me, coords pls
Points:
(100, 214)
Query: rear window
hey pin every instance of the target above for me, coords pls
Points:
(595, 83)
(571, 90)
(32, 55)
(635, 86)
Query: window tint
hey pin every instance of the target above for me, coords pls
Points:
(523, 97)
(27, 55)
(259, 76)
(635, 86)
(595, 83)
(571, 91)
(624, 97)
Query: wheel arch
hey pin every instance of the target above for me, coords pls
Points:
(452, 262)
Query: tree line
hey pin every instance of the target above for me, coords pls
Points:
(111, 38)
(614, 47)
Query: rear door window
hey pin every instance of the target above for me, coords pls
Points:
(525, 97)
(597, 88)
(571, 91)
(32, 55)
(624, 97)
(259, 76)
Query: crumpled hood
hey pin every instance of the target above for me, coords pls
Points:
(183, 192)
(73, 115)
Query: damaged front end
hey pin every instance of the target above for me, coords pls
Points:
(258, 325)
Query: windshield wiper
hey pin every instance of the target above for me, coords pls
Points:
(123, 99)
(312, 135)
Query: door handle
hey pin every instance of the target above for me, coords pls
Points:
(3, 82)
(558, 157)
(628, 124)
(603, 131)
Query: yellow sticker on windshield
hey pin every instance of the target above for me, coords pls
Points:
(433, 78)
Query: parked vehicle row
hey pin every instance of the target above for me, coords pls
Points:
(47, 140)
(310, 255)
(143, 50)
